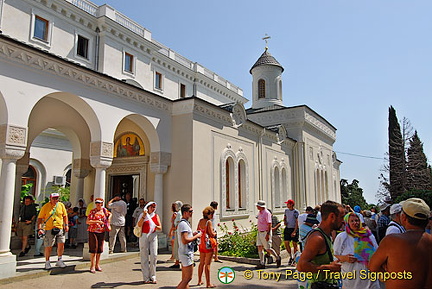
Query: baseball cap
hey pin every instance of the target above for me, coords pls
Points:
(357, 209)
(395, 209)
(54, 195)
(416, 208)
(261, 203)
(99, 200)
(290, 202)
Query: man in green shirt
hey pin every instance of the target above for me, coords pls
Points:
(317, 256)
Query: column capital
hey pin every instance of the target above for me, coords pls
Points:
(101, 154)
(13, 141)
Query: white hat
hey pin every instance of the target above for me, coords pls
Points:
(261, 203)
(395, 209)
(54, 195)
(384, 206)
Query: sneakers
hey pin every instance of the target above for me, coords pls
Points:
(278, 262)
(47, 265)
(60, 264)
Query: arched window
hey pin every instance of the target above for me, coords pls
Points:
(241, 184)
(229, 183)
(277, 191)
(284, 192)
(261, 88)
(29, 179)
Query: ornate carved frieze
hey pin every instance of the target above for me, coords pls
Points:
(68, 70)
(103, 149)
(160, 158)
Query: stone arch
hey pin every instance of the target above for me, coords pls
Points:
(3, 110)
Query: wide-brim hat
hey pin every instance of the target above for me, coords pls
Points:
(261, 204)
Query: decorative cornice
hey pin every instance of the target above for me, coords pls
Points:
(38, 60)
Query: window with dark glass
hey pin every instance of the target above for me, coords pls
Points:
(182, 90)
(41, 28)
(158, 80)
(128, 62)
(261, 88)
(82, 46)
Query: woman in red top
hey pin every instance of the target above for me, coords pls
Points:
(98, 222)
(150, 223)
(206, 254)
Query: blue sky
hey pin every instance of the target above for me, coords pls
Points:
(348, 60)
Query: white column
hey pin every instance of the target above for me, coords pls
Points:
(7, 182)
(159, 171)
(100, 159)
(7, 187)
(80, 174)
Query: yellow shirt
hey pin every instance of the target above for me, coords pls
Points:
(90, 207)
(57, 219)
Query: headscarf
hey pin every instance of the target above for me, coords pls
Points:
(363, 246)
(178, 205)
(84, 203)
(149, 216)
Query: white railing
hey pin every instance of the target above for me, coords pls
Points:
(129, 24)
(85, 5)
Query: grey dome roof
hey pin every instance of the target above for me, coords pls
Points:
(266, 59)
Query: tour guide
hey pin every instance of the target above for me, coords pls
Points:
(317, 255)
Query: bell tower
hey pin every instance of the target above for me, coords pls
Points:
(267, 81)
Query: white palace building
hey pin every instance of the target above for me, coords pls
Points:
(90, 99)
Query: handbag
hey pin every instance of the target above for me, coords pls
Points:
(55, 231)
(137, 231)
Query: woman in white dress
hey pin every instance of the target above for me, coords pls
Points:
(354, 247)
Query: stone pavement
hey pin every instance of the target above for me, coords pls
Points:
(123, 270)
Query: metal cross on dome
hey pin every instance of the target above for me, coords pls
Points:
(266, 38)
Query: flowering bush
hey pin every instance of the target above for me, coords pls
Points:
(239, 242)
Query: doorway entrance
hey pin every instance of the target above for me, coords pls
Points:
(124, 184)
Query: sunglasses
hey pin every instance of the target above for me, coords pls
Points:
(190, 211)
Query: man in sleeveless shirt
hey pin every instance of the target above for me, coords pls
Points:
(316, 256)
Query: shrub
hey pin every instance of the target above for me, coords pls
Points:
(239, 242)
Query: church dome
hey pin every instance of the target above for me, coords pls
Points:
(266, 59)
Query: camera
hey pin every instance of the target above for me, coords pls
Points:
(41, 233)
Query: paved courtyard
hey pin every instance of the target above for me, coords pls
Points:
(122, 270)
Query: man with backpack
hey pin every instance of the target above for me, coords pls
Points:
(395, 226)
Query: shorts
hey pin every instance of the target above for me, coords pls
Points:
(24, 229)
(186, 259)
(261, 240)
(95, 242)
(288, 237)
(51, 239)
(73, 232)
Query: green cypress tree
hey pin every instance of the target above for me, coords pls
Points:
(418, 171)
(397, 168)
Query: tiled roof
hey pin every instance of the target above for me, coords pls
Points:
(266, 59)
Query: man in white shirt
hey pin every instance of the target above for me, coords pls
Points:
(395, 226)
(118, 209)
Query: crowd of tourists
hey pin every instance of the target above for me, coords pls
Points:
(342, 247)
